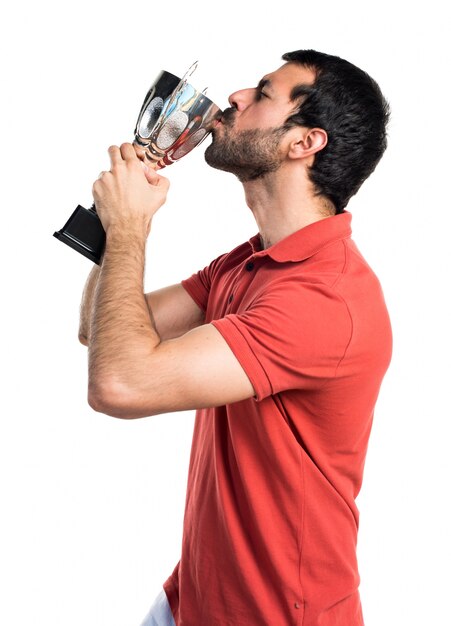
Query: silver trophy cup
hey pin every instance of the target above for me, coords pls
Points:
(174, 118)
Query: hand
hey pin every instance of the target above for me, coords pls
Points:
(130, 193)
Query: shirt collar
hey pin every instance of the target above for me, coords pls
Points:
(306, 241)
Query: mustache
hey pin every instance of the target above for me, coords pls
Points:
(228, 115)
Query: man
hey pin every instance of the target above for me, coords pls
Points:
(281, 346)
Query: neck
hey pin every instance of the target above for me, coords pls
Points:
(281, 205)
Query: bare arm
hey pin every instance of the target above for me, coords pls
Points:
(172, 310)
(133, 371)
(86, 305)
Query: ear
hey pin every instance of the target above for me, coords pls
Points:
(306, 142)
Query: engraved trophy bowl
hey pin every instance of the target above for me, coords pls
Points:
(174, 118)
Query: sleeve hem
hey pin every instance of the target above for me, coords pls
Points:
(196, 292)
(245, 355)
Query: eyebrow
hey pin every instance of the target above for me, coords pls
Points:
(265, 82)
(296, 93)
(300, 90)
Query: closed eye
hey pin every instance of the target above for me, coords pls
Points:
(259, 94)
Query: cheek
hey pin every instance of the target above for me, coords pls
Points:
(262, 119)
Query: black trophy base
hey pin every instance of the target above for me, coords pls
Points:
(84, 233)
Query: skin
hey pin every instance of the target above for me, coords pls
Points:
(152, 353)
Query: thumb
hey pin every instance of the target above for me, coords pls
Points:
(147, 166)
(153, 178)
(148, 172)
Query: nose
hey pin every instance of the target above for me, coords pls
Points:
(241, 99)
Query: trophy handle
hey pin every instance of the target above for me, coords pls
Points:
(84, 232)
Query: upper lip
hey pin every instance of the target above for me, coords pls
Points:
(228, 115)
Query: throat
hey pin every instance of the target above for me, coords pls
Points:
(265, 242)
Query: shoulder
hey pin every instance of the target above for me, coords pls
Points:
(231, 259)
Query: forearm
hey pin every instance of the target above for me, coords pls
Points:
(123, 336)
(86, 305)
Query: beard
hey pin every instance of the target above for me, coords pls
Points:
(249, 154)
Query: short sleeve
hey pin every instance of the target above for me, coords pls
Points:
(198, 285)
(293, 337)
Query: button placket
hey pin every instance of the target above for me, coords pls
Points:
(242, 281)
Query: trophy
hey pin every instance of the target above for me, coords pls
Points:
(174, 118)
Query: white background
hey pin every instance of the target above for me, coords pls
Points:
(91, 507)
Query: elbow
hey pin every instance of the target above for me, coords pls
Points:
(83, 339)
(96, 399)
(113, 399)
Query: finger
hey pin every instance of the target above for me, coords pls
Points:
(115, 155)
(128, 152)
(154, 178)
(144, 157)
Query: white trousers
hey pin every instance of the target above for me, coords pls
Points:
(160, 612)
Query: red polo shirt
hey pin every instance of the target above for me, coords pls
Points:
(271, 523)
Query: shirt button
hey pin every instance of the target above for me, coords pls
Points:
(230, 298)
(297, 605)
(250, 266)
